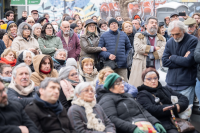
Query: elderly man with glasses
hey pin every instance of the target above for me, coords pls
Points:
(12, 116)
(192, 26)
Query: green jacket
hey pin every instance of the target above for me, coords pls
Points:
(50, 43)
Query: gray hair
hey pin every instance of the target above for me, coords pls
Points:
(178, 24)
(46, 82)
(60, 50)
(20, 29)
(137, 20)
(64, 72)
(14, 72)
(36, 25)
(147, 21)
(80, 87)
(45, 14)
(27, 51)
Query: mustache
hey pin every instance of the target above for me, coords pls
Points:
(24, 79)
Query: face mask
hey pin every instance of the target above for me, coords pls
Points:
(55, 27)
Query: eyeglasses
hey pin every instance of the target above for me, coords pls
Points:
(151, 79)
(8, 73)
(31, 22)
(49, 28)
(113, 23)
(92, 26)
(26, 29)
(4, 90)
(120, 83)
(74, 74)
(87, 91)
(191, 26)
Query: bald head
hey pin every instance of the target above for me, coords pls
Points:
(65, 27)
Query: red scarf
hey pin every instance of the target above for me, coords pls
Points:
(46, 72)
(11, 63)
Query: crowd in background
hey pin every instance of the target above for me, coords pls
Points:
(97, 76)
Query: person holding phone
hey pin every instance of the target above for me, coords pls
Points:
(156, 99)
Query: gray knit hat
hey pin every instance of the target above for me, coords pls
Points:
(71, 62)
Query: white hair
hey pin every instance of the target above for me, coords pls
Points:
(64, 72)
(60, 50)
(27, 51)
(64, 22)
(14, 72)
(80, 87)
(178, 24)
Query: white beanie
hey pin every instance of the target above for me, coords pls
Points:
(71, 62)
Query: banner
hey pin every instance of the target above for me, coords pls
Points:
(22, 2)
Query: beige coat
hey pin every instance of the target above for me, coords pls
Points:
(139, 59)
(19, 44)
(7, 40)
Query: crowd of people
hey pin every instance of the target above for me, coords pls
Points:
(97, 76)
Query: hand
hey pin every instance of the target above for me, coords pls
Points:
(112, 57)
(186, 55)
(103, 49)
(56, 49)
(24, 129)
(137, 130)
(157, 48)
(168, 108)
(33, 50)
(178, 107)
(160, 128)
(145, 54)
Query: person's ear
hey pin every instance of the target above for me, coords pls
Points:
(41, 91)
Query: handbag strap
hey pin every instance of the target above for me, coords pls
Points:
(174, 119)
(117, 42)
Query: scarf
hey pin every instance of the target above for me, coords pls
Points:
(11, 63)
(61, 62)
(57, 107)
(13, 35)
(24, 91)
(93, 122)
(46, 72)
(91, 34)
(67, 89)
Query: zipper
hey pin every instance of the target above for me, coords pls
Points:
(126, 108)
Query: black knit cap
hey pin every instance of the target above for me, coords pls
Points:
(111, 21)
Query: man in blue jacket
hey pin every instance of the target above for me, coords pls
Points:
(108, 40)
(179, 58)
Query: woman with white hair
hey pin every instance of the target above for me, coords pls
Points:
(37, 28)
(59, 59)
(25, 40)
(26, 57)
(87, 116)
(69, 80)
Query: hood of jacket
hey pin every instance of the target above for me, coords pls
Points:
(9, 23)
(71, 32)
(20, 29)
(41, 19)
(37, 60)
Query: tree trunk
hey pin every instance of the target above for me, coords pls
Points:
(123, 8)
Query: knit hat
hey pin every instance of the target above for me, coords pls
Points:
(110, 80)
(73, 26)
(111, 21)
(71, 62)
(150, 69)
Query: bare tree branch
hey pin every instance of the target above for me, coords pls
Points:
(129, 1)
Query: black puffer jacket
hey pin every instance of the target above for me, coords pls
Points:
(122, 110)
(12, 116)
(147, 100)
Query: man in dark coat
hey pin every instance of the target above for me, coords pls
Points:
(108, 40)
(13, 119)
(23, 18)
(46, 110)
(179, 58)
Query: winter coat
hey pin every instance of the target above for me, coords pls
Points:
(2, 47)
(37, 77)
(73, 46)
(122, 110)
(131, 37)
(108, 40)
(182, 70)
(57, 65)
(46, 120)
(78, 119)
(8, 39)
(127, 88)
(197, 59)
(20, 59)
(102, 31)
(48, 45)
(62, 98)
(147, 100)
(19, 43)
(139, 59)
(12, 116)
(11, 63)
(88, 49)
(22, 19)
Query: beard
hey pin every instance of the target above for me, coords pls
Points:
(153, 29)
(66, 32)
(179, 39)
(3, 105)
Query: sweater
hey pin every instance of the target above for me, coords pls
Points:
(182, 70)
(108, 40)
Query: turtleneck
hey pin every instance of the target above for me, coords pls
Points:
(113, 32)
(62, 62)
(46, 72)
